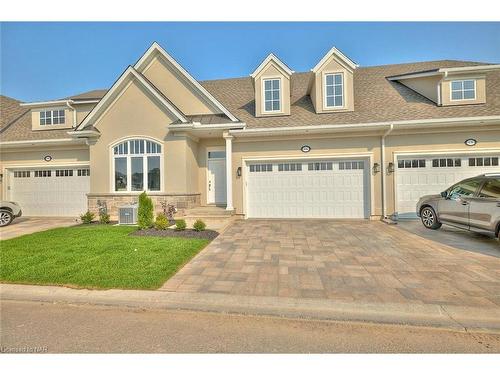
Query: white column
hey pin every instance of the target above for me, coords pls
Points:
(229, 169)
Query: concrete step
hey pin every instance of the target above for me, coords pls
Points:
(207, 211)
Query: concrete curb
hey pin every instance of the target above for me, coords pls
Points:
(453, 317)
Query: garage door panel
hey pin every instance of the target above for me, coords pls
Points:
(413, 183)
(324, 193)
(50, 195)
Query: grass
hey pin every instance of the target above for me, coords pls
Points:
(94, 256)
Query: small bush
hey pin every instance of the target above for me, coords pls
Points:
(161, 222)
(145, 211)
(87, 217)
(104, 218)
(180, 224)
(199, 225)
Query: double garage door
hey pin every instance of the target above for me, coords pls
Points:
(312, 189)
(50, 191)
(417, 176)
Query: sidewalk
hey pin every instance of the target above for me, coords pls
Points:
(433, 315)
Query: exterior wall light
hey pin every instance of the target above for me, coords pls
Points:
(390, 168)
(376, 168)
(238, 172)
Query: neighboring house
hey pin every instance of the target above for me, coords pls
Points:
(340, 141)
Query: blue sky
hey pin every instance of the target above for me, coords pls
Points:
(41, 61)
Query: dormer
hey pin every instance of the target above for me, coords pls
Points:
(449, 86)
(271, 81)
(333, 84)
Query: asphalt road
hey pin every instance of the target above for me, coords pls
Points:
(83, 328)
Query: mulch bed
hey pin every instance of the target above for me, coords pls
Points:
(188, 233)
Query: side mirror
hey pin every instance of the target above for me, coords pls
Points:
(444, 194)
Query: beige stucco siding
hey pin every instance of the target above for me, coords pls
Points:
(175, 87)
(136, 114)
(34, 157)
(271, 70)
(425, 86)
(446, 90)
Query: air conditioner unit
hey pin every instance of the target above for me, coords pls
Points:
(127, 214)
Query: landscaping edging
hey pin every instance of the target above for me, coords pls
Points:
(187, 233)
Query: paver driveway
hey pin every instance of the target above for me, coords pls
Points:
(346, 260)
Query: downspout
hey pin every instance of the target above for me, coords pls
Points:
(383, 169)
(74, 113)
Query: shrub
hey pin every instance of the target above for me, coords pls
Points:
(145, 211)
(199, 225)
(161, 222)
(180, 224)
(87, 217)
(104, 218)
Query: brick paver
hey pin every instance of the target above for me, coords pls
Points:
(345, 260)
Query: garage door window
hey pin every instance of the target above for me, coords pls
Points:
(320, 166)
(347, 165)
(83, 172)
(64, 173)
(21, 174)
(446, 163)
(411, 163)
(286, 167)
(261, 168)
(43, 173)
(483, 162)
(137, 165)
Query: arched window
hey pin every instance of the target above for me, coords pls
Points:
(137, 165)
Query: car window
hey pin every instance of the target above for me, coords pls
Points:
(491, 189)
(464, 189)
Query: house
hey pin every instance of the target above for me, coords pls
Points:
(339, 141)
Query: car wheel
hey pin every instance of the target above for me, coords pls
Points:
(5, 218)
(429, 219)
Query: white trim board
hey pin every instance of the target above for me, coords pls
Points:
(272, 57)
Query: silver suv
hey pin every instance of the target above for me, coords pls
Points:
(472, 204)
(8, 212)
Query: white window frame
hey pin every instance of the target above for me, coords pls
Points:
(462, 91)
(264, 79)
(129, 157)
(325, 101)
(52, 117)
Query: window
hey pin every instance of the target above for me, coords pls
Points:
(83, 172)
(137, 166)
(21, 174)
(343, 165)
(483, 162)
(43, 173)
(64, 172)
(464, 189)
(463, 89)
(261, 168)
(289, 167)
(320, 166)
(442, 163)
(217, 154)
(411, 163)
(272, 97)
(55, 117)
(491, 189)
(334, 90)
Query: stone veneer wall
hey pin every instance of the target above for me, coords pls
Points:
(114, 201)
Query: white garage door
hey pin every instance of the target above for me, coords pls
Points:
(316, 189)
(424, 175)
(50, 192)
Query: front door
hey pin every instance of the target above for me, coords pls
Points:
(216, 181)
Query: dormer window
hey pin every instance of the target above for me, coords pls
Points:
(272, 95)
(54, 117)
(334, 90)
(463, 89)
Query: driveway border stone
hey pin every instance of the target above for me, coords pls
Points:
(432, 315)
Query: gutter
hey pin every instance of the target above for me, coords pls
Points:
(40, 142)
(74, 113)
(200, 126)
(58, 102)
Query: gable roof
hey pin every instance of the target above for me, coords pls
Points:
(376, 99)
(88, 95)
(118, 86)
(272, 57)
(156, 48)
(10, 111)
(334, 51)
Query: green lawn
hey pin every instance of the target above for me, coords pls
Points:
(94, 256)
